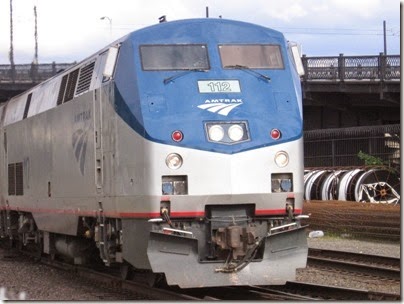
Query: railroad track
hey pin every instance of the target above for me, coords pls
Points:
(384, 268)
(109, 280)
(365, 264)
(323, 292)
(292, 291)
(113, 281)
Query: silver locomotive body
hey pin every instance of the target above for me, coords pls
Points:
(76, 178)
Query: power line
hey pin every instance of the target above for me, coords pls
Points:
(306, 30)
(341, 34)
(338, 31)
(326, 29)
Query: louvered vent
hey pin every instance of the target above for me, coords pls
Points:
(19, 184)
(15, 179)
(71, 85)
(62, 89)
(11, 179)
(86, 74)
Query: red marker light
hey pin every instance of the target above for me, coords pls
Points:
(177, 136)
(275, 134)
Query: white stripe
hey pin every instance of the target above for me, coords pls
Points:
(219, 108)
(227, 110)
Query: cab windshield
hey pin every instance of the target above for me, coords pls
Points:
(174, 57)
(257, 56)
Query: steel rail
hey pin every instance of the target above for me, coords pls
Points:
(111, 281)
(291, 291)
(325, 292)
(373, 265)
(116, 282)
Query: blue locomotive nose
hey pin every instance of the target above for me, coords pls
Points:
(224, 97)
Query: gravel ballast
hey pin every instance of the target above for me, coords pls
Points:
(21, 277)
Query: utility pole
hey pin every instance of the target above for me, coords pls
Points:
(384, 36)
(11, 53)
(36, 37)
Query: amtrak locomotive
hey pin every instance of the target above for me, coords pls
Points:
(175, 150)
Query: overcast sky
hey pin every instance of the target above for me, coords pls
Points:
(71, 30)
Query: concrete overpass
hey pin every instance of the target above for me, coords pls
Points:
(348, 91)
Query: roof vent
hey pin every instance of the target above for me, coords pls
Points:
(86, 74)
(71, 85)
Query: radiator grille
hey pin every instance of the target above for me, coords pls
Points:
(62, 89)
(71, 85)
(86, 74)
(19, 176)
(15, 179)
(11, 179)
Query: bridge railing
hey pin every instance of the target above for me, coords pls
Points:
(382, 67)
(338, 68)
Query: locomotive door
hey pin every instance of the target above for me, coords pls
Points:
(97, 110)
(3, 158)
(3, 165)
(4, 210)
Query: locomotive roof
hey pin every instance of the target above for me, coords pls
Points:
(186, 30)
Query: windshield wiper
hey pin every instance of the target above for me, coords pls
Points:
(249, 70)
(171, 78)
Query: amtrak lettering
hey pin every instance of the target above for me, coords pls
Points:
(83, 116)
(224, 100)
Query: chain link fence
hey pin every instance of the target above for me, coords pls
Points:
(340, 147)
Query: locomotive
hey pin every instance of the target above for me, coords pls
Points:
(175, 150)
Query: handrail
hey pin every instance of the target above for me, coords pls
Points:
(341, 68)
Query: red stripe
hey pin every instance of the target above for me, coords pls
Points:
(188, 214)
(139, 214)
(275, 211)
(134, 214)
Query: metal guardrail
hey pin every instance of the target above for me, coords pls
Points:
(340, 68)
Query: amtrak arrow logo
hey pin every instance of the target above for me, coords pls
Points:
(79, 143)
(221, 106)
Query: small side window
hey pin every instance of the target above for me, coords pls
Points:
(27, 106)
(297, 58)
(109, 67)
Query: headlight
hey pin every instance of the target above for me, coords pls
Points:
(227, 132)
(281, 159)
(174, 161)
(235, 132)
(216, 133)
